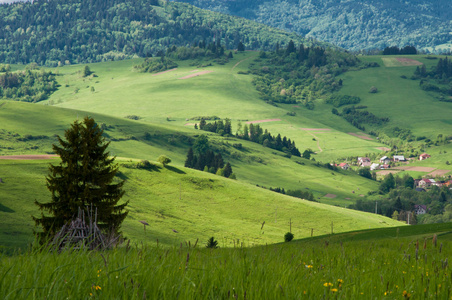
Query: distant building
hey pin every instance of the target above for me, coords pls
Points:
(374, 167)
(425, 182)
(420, 209)
(385, 160)
(399, 158)
(424, 156)
(344, 166)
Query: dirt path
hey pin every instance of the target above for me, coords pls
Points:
(160, 73)
(262, 121)
(241, 62)
(28, 157)
(316, 138)
(196, 74)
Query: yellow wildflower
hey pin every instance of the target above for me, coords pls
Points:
(334, 290)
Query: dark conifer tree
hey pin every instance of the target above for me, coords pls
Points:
(240, 47)
(84, 178)
(189, 160)
(227, 170)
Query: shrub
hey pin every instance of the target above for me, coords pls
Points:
(212, 243)
(164, 160)
(373, 90)
(288, 237)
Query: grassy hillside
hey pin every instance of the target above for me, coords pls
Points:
(401, 263)
(195, 204)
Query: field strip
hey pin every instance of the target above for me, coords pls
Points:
(386, 172)
(390, 62)
(408, 62)
(383, 148)
(196, 74)
(262, 121)
(361, 136)
(414, 168)
(28, 157)
(316, 129)
(438, 173)
(330, 196)
(160, 73)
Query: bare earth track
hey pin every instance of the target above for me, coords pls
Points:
(160, 73)
(196, 74)
(28, 157)
(262, 121)
(361, 136)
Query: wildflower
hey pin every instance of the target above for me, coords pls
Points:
(406, 294)
(98, 288)
(340, 281)
(327, 284)
(403, 272)
(334, 290)
(308, 266)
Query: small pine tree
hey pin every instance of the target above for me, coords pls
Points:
(240, 47)
(189, 161)
(212, 243)
(84, 178)
(227, 170)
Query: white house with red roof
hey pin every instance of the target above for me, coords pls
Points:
(424, 156)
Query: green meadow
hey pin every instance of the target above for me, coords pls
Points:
(409, 262)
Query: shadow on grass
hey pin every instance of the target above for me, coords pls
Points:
(5, 209)
(178, 171)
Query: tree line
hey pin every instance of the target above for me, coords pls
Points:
(437, 79)
(394, 50)
(27, 86)
(253, 133)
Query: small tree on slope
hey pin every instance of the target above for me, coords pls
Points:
(84, 178)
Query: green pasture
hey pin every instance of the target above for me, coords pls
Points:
(193, 203)
(399, 263)
(400, 99)
(119, 90)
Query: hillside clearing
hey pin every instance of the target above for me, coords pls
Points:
(196, 74)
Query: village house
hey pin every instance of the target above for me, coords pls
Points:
(385, 166)
(344, 166)
(385, 160)
(364, 162)
(399, 158)
(426, 183)
(375, 167)
(424, 156)
(420, 209)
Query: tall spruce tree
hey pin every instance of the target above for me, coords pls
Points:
(83, 179)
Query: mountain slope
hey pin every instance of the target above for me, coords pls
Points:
(52, 33)
(353, 25)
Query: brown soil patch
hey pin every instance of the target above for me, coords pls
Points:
(28, 157)
(262, 121)
(361, 136)
(160, 73)
(189, 124)
(416, 169)
(408, 61)
(384, 148)
(386, 172)
(330, 196)
(439, 173)
(196, 74)
(316, 129)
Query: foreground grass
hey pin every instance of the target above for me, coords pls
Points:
(412, 265)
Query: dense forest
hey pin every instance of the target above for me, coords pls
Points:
(53, 33)
(354, 25)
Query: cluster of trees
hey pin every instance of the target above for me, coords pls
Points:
(400, 197)
(394, 50)
(28, 86)
(356, 26)
(253, 133)
(356, 116)
(201, 157)
(306, 195)
(437, 79)
(156, 64)
(340, 100)
(220, 127)
(201, 50)
(298, 74)
(49, 33)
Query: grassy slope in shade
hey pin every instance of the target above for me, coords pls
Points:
(396, 264)
(195, 204)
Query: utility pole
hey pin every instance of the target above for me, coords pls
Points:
(376, 207)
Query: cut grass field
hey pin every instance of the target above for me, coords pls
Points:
(409, 262)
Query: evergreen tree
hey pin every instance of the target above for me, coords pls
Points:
(84, 178)
(189, 160)
(240, 47)
(227, 170)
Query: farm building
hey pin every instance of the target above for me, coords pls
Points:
(424, 156)
(344, 166)
(425, 182)
(420, 209)
(375, 167)
(385, 160)
(399, 158)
